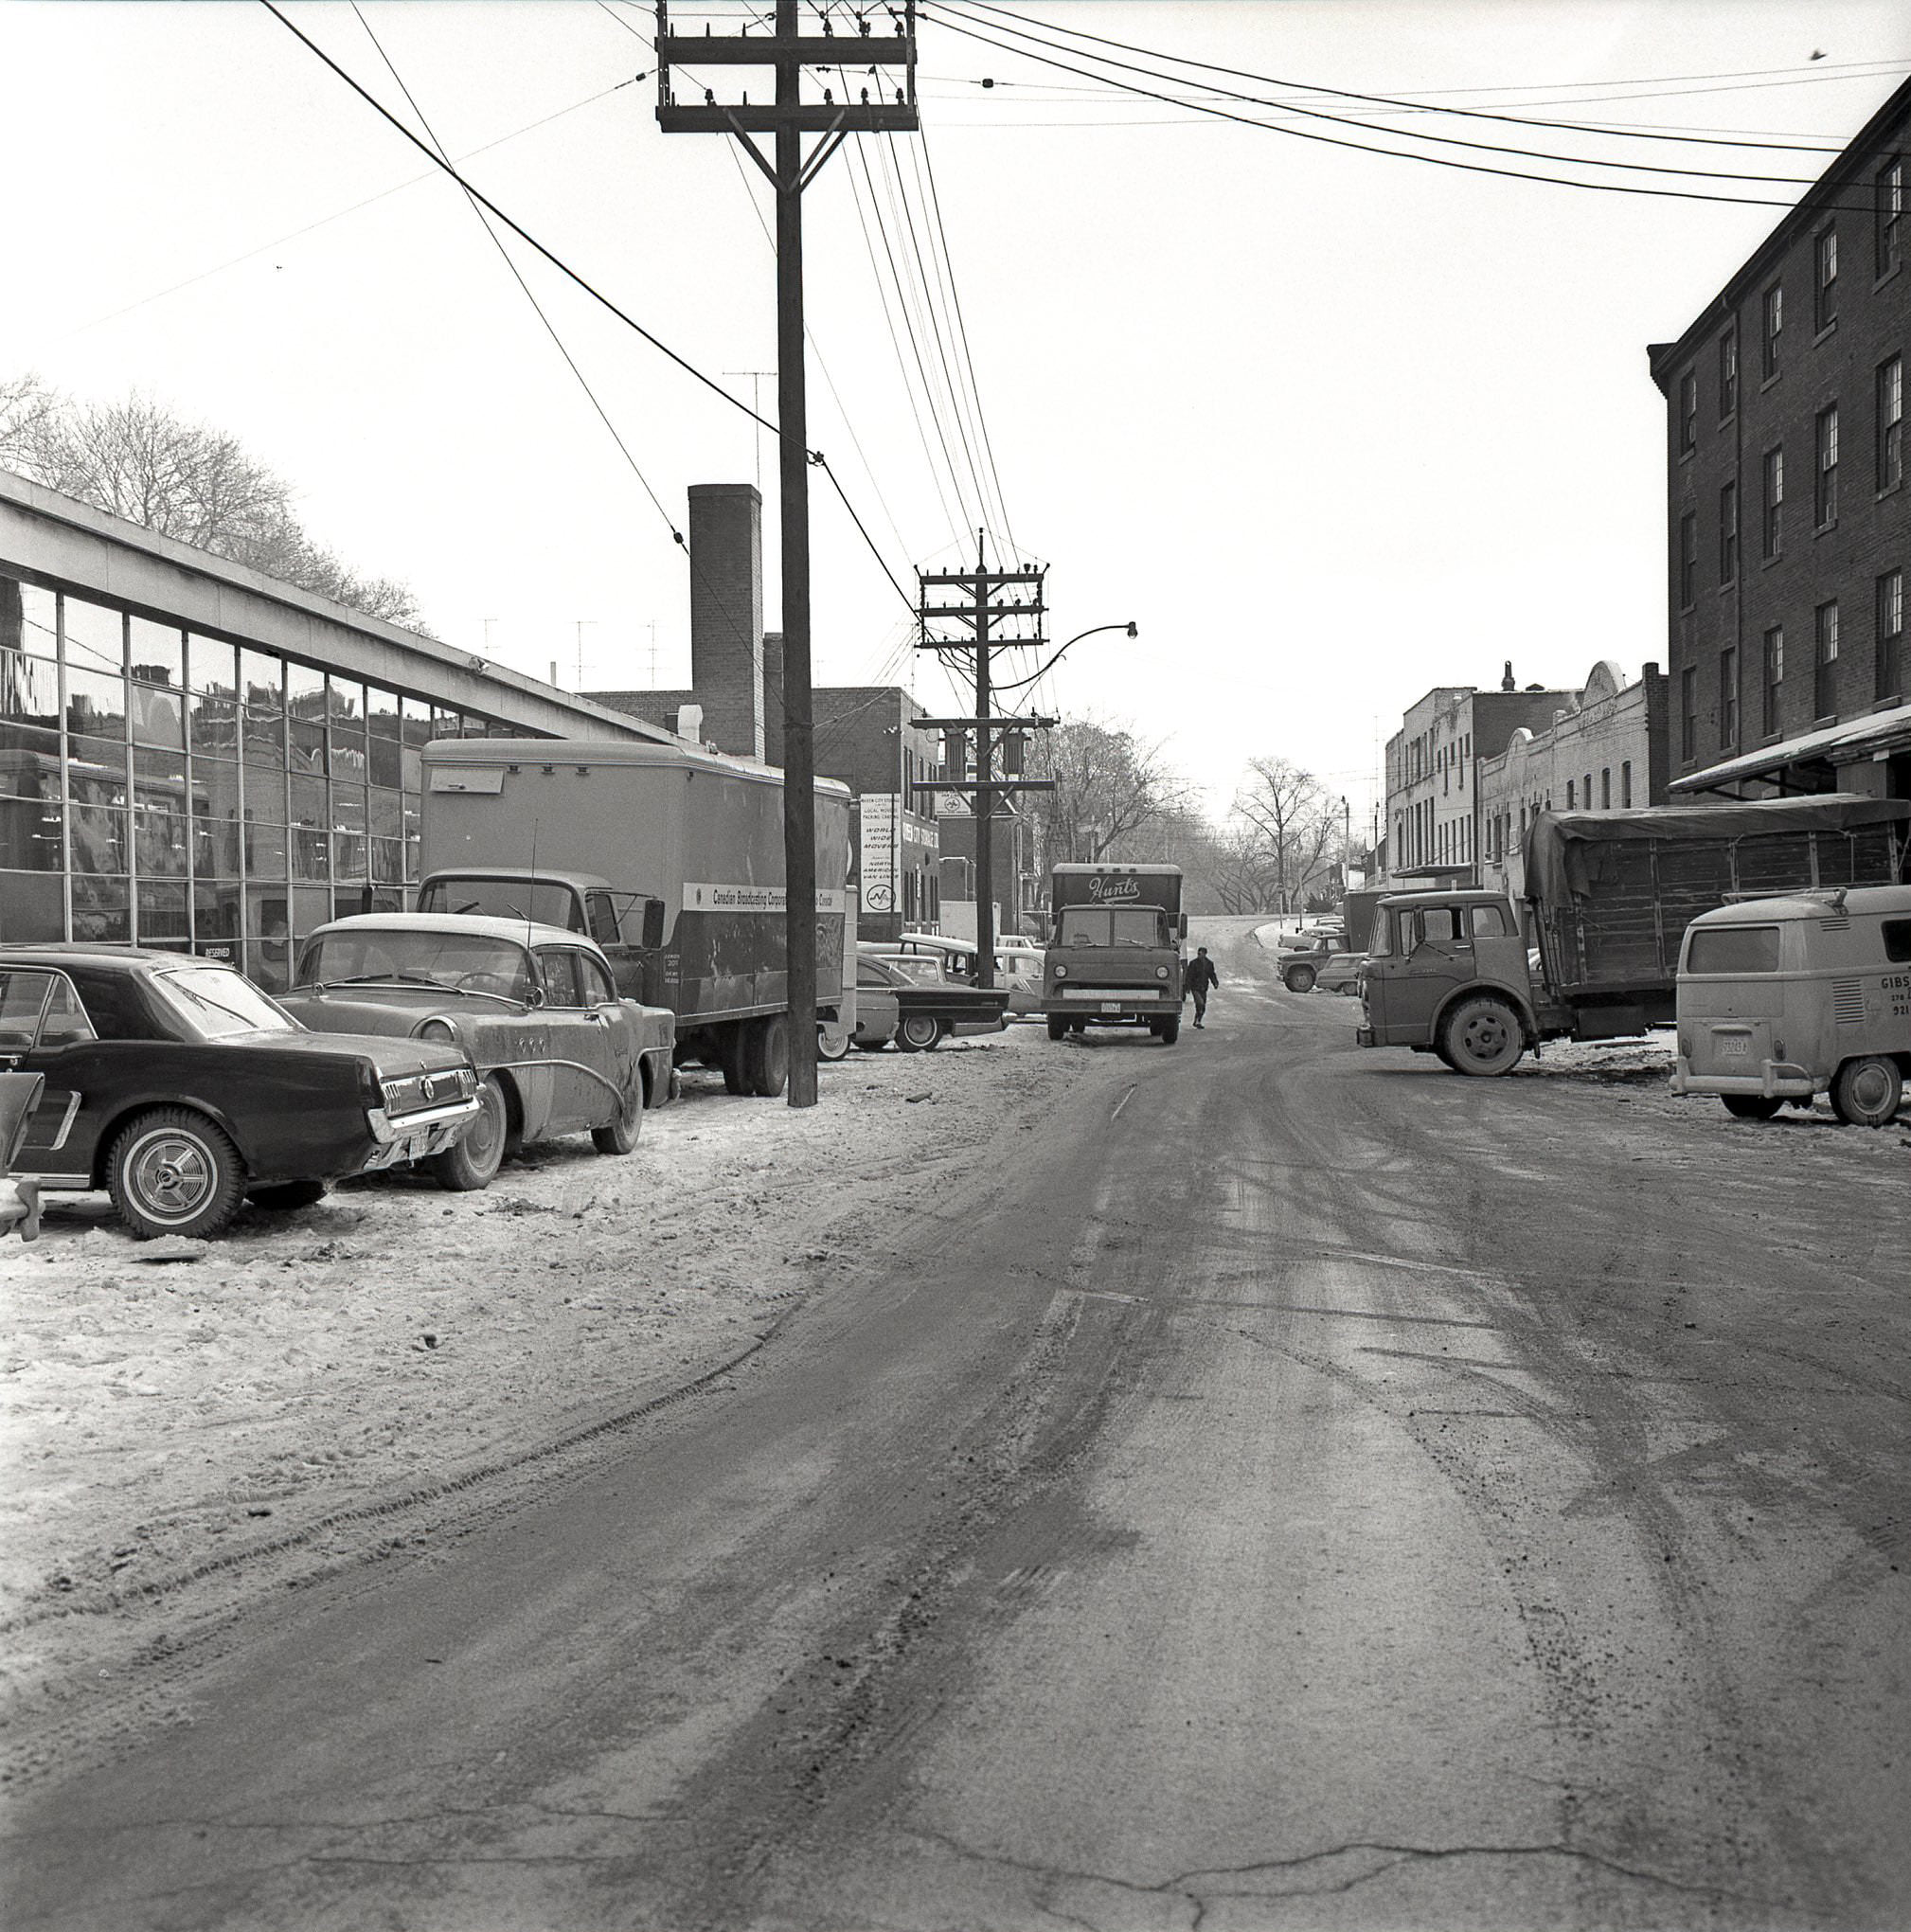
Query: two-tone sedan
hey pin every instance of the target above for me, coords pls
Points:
(916, 1013)
(180, 1087)
(533, 1006)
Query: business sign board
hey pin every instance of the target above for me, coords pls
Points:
(882, 850)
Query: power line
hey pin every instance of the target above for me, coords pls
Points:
(1387, 153)
(1413, 106)
(1414, 134)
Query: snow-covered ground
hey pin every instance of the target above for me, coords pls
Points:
(178, 1434)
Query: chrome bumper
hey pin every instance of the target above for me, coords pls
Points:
(416, 1136)
(1775, 1080)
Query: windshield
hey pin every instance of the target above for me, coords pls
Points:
(466, 962)
(215, 1001)
(535, 899)
(1103, 925)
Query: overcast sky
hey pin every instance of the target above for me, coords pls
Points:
(1330, 428)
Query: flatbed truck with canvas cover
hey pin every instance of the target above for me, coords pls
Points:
(671, 858)
(1114, 955)
(1593, 953)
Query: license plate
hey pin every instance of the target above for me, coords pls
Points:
(1111, 1006)
(1732, 1046)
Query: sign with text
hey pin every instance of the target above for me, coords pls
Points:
(881, 854)
(712, 898)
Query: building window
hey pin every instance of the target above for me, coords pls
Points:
(1825, 471)
(1689, 713)
(1891, 634)
(1688, 413)
(1772, 529)
(1626, 786)
(1890, 206)
(1729, 532)
(1728, 695)
(1606, 789)
(1728, 373)
(1689, 560)
(1891, 423)
(1774, 326)
(1824, 279)
(1824, 661)
(1775, 677)
(1569, 796)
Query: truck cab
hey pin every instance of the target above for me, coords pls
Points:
(1447, 973)
(1114, 955)
(624, 925)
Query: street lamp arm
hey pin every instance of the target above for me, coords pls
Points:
(1021, 683)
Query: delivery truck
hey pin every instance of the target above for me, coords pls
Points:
(670, 857)
(1114, 956)
(1593, 950)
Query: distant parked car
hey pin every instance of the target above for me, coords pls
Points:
(180, 1087)
(890, 1005)
(1320, 961)
(534, 1006)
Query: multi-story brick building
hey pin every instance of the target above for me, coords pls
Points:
(1605, 751)
(1788, 514)
(1432, 814)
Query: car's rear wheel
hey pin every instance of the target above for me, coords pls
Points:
(766, 1056)
(468, 1165)
(1482, 1037)
(174, 1172)
(620, 1136)
(918, 1033)
(1299, 978)
(287, 1194)
(832, 1043)
(1866, 1093)
(1750, 1107)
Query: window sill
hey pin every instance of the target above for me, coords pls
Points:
(1890, 275)
(1772, 380)
(1824, 334)
(1890, 489)
(1768, 563)
(1824, 529)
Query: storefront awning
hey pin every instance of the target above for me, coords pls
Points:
(1841, 743)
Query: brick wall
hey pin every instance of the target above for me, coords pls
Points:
(726, 613)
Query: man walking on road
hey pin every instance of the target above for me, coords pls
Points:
(1196, 980)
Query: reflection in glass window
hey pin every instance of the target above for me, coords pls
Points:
(95, 637)
(32, 904)
(31, 841)
(162, 912)
(98, 838)
(96, 712)
(215, 848)
(102, 910)
(158, 715)
(1490, 921)
(156, 653)
(212, 726)
(29, 618)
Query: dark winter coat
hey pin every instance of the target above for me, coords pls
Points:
(1199, 974)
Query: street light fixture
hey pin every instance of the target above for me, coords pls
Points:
(1095, 629)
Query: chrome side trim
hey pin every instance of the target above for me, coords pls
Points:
(58, 1140)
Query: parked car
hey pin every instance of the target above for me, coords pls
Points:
(1322, 961)
(891, 1005)
(533, 1006)
(956, 957)
(181, 1088)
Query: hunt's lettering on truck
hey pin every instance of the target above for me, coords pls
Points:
(1104, 889)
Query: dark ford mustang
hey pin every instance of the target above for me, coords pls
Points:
(177, 1084)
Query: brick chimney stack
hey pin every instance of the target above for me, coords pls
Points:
(726, 613)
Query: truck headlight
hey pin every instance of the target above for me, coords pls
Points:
(1161, 973)
(1060, 971)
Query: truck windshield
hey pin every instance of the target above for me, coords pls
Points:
(458, 961)
(537, 898)
(1102, 925)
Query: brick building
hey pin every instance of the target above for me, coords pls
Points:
(1605, 751)
(1788, 516)
(1432, 827)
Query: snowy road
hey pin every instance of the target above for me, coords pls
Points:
(1298, 1487)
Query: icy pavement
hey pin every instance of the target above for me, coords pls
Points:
(185, 1425)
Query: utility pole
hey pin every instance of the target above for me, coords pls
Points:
(788, 51)
(983, 613)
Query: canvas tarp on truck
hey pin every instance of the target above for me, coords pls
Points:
(1612, 892)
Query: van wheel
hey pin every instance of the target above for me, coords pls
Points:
(1750, 1107)
(174, 1172)
(1057, 1026)
(1482, 1037)
(766, 1056)
(1168, 1031)
(1866, 1093)
(1299, 978)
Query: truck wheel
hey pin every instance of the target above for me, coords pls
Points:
(1057, 1026)
(174, 1172)
(283, 1195)
(621, 1134)
(1750, 1107)
(1482, 1037)
(1866, 1093)
(467, 1166)
(1299, 978)
(918, 1033)
(732, 1056)
(1168, 1031)
(766, 1056)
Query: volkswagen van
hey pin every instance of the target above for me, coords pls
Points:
(1783, 999)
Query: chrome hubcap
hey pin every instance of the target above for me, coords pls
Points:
(173, 1176)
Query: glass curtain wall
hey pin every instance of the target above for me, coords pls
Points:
(161, 788)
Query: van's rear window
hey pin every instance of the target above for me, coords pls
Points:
(1732, 949)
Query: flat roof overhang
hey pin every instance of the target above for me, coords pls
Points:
(1878, 733)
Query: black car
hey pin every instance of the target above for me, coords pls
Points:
(917, 1013)
(177, 1084)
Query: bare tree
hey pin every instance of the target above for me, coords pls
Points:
(138, 460)
(1292, 821)
(1110, 787)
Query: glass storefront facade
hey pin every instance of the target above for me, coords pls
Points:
(159, 787)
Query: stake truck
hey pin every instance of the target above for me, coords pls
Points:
(1114, 957)
(671, 858)
(1608, 898)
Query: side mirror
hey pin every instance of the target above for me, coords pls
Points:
(1182, 926)
(654, 924)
